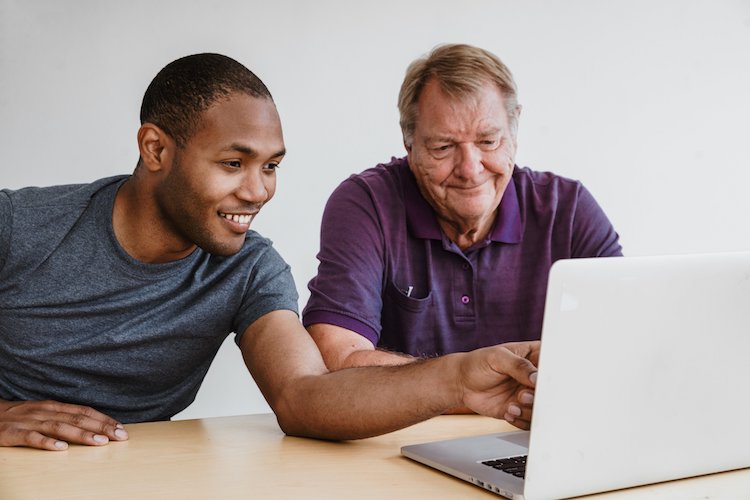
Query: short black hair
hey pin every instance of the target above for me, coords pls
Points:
(180, 93)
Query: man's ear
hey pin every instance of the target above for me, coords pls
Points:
(156, 147)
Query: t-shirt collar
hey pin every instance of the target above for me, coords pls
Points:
(423, 223)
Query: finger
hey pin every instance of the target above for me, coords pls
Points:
(15, 436)
(516, 412)
(520, 416)
(83, 417)
(518, 422)
(525, 397)
(528, 349)
(519, 368)
(35, 439)
(109, 427)
(66, 432)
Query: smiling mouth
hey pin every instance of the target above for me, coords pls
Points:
(238, 218)
(468, 188)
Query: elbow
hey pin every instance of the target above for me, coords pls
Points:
(289, 426)
(295, 419)
(288, 415)
(290, 422)
(296, 427)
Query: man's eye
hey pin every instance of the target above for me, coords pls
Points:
(488, 144)
(232, 163)
(272, 166)
(441, 150)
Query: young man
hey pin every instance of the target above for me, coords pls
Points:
(116, 295)
(448, 249)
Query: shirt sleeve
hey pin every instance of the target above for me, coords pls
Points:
(270, 288)
(347, 290)
(593, 233)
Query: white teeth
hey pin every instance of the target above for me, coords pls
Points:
(241, 219)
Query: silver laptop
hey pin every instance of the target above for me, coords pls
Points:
(643, 377)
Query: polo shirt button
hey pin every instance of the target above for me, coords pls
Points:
(465, 299)
(466, 266)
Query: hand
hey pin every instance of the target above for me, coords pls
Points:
(50, 425)
(498, 381)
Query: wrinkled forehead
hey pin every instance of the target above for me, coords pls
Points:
(484, 107)
(461, 85)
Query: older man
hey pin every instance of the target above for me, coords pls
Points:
(449, 248)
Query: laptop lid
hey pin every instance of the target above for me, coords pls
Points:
(641, 374)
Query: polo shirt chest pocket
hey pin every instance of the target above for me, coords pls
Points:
(408, 319)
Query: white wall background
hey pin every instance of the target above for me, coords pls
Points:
(647, 102)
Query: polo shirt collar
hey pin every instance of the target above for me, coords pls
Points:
(423, 223)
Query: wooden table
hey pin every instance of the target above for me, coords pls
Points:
(249, 457)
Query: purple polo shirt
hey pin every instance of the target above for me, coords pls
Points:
(388, 272)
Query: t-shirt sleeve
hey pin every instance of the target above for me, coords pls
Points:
(270, 288)
(347, 290)
(593, 233)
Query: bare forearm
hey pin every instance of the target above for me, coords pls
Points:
(342, 348)
(375, 357)
(387, 358)
(311, 400)
(362, 402)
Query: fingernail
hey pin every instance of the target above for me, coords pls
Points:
(119, 426)
(121, 434)
(532, 377)
(509, 418)
(61, 445)
(514, 410)
(526, 398)
(100, 439)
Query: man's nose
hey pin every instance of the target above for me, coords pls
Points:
(468, 161)
(252, 188)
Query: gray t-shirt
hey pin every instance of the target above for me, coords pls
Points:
(83, 322)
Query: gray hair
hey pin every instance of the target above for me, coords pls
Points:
(460, 70)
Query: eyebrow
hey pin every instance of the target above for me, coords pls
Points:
(491, 131)
(448, 138)
(439, 138)
(247, 150)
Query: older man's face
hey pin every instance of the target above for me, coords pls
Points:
(462, 155)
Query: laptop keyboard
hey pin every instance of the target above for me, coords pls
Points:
(511, 465)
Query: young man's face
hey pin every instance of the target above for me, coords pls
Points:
(225, 173)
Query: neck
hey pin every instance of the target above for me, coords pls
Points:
(138, 229)
(465, 234)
